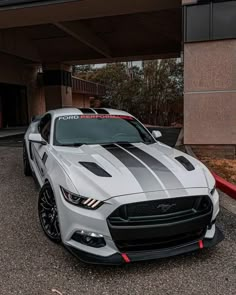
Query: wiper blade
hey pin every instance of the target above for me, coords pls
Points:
(121, 142)
(125, 142)
(78, 144)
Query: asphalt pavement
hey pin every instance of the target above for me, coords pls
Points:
(30, 264)
(15, 140)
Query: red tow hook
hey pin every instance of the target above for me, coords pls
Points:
(125, 257)
(201, 245)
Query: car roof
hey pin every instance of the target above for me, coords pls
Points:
(87, 111)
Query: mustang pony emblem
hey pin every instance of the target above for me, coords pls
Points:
(165, 207)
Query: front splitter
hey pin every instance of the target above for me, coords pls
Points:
(122, 258)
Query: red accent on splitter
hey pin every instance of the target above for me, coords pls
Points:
(125, 257)
(201, 246)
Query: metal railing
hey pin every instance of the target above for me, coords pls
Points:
(87, 87)
(82, 86)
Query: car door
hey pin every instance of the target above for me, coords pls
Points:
(40, 152)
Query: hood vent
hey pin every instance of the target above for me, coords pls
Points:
(95, 169)
(186, 163)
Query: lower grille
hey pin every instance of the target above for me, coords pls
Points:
(160, 243)
(160, 224)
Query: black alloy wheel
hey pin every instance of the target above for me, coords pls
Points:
(48, 214)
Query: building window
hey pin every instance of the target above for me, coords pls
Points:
(215, 20)
(198, 23)
(224, 20)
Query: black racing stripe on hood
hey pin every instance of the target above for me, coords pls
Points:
(165, 175)
(186, 163)
(95, 169)
(145, 178)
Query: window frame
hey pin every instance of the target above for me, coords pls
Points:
(212, 32)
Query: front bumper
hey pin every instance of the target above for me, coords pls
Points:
(121, 258)
(73, 219)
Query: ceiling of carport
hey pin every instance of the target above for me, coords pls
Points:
(139, 35)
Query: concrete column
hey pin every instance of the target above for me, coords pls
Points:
(209, 78)
(210, 92)
(35, 93)
(57, 86)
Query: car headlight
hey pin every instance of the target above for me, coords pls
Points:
(86, 203)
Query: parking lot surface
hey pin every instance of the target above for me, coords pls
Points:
(31, 264)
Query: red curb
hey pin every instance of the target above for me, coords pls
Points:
(225, 186)
(222, 184)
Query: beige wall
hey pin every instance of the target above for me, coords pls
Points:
(210, 92)
(81, 100)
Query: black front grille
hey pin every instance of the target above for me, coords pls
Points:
(160, 224)
(160, 211)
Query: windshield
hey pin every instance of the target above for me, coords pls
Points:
(99, 129)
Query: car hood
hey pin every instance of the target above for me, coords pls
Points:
(115, 170)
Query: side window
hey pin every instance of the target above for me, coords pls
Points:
(45, 127)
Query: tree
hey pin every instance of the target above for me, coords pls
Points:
(152, 92)
(163, 87)
(82, 71)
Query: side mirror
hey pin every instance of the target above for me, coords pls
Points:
(156, 134)
(37, 138)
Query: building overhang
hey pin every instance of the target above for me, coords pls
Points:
(6, 4)
(92, 31)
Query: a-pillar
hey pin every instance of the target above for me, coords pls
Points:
(210, 77)
(57, 86)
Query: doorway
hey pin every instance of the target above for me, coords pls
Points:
(13, 106)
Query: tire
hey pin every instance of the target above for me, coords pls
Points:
(27, 169)
(48, 214)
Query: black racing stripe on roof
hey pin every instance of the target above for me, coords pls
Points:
(87, 111)
(101, 111)
(140, 172)
(95, 169)
(165, 175)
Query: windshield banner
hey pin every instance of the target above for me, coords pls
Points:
(76, 117)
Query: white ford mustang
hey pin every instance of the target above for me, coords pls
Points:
(113, 194)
